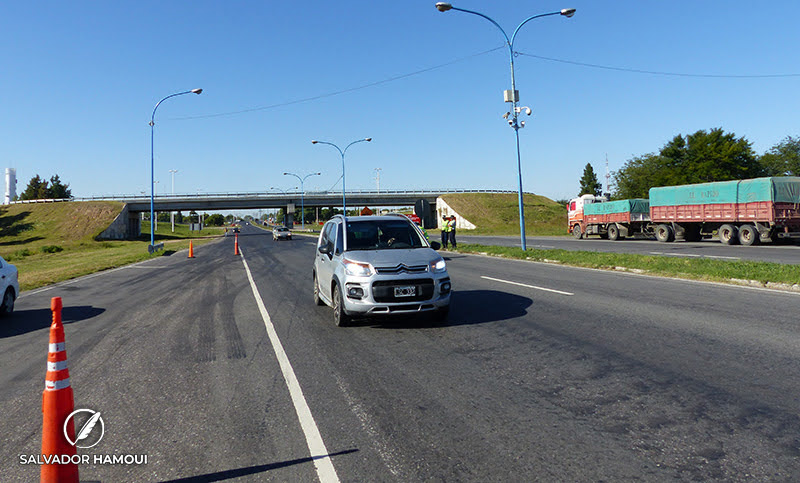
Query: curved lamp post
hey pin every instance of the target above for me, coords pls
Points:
(512, 96)
(152, 247)
(302, 196)
(344, 201)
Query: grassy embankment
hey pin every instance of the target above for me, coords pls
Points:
(53, 242)
(498, 214)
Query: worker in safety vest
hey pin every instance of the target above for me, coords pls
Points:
(445, 227)
(452, 231)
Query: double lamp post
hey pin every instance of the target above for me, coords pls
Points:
(512, 96)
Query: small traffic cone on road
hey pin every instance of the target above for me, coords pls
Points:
(236, 245)
(57, 405)
(191, 250)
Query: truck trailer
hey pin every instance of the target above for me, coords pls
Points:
(741, 211)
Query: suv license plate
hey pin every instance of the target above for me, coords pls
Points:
(405, 291)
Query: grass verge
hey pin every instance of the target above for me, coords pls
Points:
(773, 275)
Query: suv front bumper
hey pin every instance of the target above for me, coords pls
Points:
(377, 296)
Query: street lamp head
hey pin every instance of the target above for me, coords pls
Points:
(197, 91)
(314, 142)
(443, 6)
(568, 12)
(285, 174)
(368, 139)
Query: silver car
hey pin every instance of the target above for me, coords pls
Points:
(9, 287)
(378, 265)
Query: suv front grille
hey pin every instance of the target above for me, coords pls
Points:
(383, 291)
(401, 268)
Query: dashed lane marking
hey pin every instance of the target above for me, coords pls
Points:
(527, 286)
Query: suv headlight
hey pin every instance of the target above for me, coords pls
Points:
(357, 269)
(438, 266)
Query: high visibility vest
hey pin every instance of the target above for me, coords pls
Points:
(451, 225)
(446, 227)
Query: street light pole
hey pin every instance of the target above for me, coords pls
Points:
(378, 179)
(152, 247)
(342, 152)
(302, 196)
(513, 95)
(172, 213)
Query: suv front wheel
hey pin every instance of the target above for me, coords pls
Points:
(340, 318)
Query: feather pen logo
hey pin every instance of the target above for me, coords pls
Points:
(86, 429)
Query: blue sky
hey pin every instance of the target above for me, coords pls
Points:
(79, 80)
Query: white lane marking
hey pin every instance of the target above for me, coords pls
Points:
(693, 255)
(528, 286)
(85, 277)
(319, 453)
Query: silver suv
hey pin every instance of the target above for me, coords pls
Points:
(378, 265)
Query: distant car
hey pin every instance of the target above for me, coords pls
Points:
(236, 229)
(9, 287)
(281, 233)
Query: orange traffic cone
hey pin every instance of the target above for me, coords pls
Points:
(191, 250)
(57, 405)
(236, 245)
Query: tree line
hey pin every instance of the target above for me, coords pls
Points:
(701, 157)
(41, 189)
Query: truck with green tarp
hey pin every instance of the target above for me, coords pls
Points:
(609, 219)
(741, 211)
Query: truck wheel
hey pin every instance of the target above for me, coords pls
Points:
(748, 235)
(576, 232)
(664, 233)
(727, 235)
(613, 233)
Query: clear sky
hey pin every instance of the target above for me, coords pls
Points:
(79, 80)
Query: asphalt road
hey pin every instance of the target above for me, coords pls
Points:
(543, 373)
(788, 253)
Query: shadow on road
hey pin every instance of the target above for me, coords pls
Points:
(467, 307)
(23, 321)
(251, 470)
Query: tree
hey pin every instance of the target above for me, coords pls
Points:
(589, 183)
(695, 158)
(36, 189)
(215, 220)
(59, 190)
(783, 159)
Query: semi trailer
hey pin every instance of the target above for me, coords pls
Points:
(740, 211)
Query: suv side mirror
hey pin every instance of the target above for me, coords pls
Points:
(324, 249)
(436, 245)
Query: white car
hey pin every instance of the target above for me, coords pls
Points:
(9, 286)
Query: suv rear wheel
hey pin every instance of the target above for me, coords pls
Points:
(340, 318)
(7, 306)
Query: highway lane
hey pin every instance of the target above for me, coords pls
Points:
(600, 376)
(768, 252)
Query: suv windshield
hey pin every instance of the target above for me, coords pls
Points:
(382, 235)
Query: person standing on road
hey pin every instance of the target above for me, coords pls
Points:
(452, 231)
(445, 226)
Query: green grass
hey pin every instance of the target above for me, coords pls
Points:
(498, 213)
(694, 269)
(52, 242)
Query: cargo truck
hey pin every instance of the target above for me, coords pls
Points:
(741, 211)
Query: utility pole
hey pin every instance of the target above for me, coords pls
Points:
(172, 213)
(608, 177)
